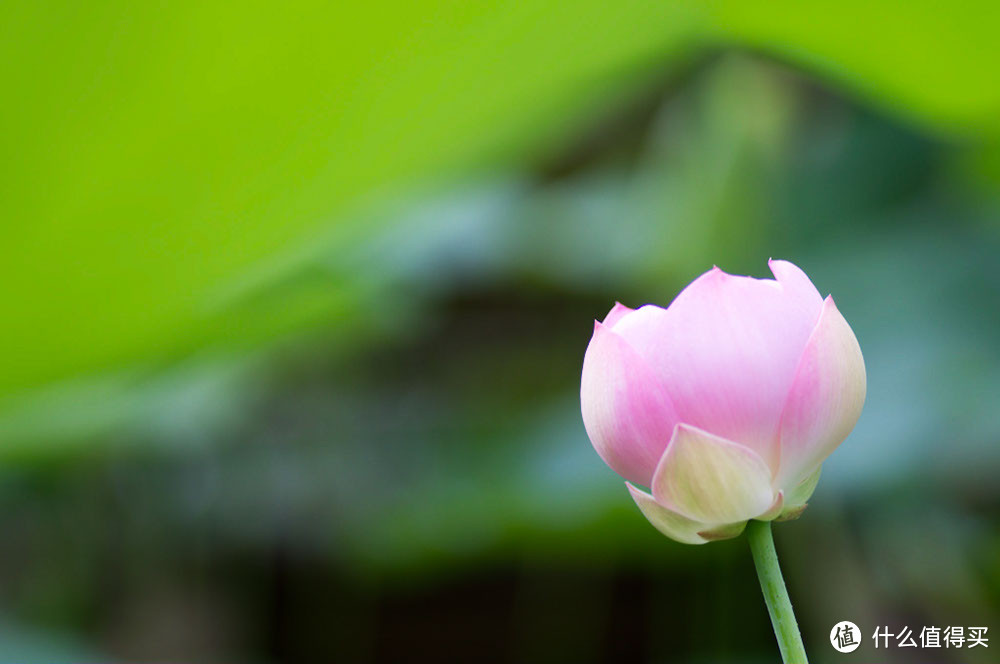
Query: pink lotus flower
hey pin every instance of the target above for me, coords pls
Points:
(724, 404)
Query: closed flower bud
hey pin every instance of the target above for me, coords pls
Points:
(725, 404)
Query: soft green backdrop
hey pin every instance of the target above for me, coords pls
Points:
(296, 297)
(163, 165)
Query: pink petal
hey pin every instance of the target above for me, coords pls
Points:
(710, 479)
(626, 410)
(727, 348)
(825, 399)
(616, 314)
(798, 288)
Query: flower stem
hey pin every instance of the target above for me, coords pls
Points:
(765, 559)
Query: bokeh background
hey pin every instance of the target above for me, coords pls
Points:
(295, 299)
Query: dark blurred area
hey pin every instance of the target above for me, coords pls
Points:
(398, 471)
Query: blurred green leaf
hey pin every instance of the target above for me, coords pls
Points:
(154, 158)
(161, 162)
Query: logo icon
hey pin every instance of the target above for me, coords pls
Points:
(845, 636)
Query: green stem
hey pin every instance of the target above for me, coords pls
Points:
(765, 559)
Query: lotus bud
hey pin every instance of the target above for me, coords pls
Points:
(722, 407)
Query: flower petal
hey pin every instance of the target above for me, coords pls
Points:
(825, 399)
(798, 287)
(776, 509)
(616, 314)
(626, 411)
(710, 479)
(727, 348)
(671, 524)
(792, 513)
(724, 532)
(803, 491)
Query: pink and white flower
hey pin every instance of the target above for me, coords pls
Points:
(726, 403)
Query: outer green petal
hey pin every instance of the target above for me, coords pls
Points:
(797, 499)
(712, 480)
(726, 531)
(671, 524)
(803, 491)
(776, 509)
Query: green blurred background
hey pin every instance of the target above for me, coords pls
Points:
(295, 299)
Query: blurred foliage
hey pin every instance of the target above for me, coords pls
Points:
(297, 299)
(163, 166)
